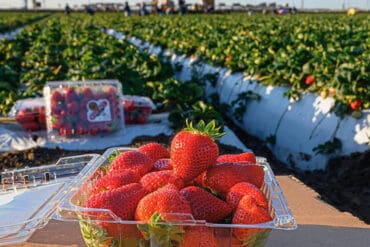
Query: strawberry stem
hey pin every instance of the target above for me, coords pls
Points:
(202, 128)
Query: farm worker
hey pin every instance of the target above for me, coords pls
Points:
(68, 9)
(143, 10)
(127, 9)
(351, 12)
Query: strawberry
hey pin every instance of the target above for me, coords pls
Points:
(248, 212)
(194, 150)
(242, 157)
(222, 177)
(132, 160)
(122, 202)
(155, 180)
(113, 181)
(154, 150)
(355, 105)
(70, 94)
(25, 116)
(56, 96)
(199, 236)
(309, 80)
(31, 126)
(206, 206)
(162, 164)
(241, 189)
(164, 201)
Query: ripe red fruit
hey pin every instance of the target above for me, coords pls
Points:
(239, 190)
(70, 94)
(122, 202)
(132, 160)
(154, 180)
(31, 126)
(194, 150)
(154, 150)
(355, 105)
(242, 157)
(221, 177)
(309, 80)
(113, 181)
(66, 130)
(165, 200)
(56, 96)
(25, 116)
(162, 164)
(198, 236)
(248, 212)
(206, 206)
(41, 118)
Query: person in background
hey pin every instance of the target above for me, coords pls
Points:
(67, 9)
(127, 9)
(182, 7)
(143, 10)
(90, 10)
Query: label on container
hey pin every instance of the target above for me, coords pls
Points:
(98, 111)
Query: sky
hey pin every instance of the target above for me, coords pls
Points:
(327, 4)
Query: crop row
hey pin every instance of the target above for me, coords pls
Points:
(325, 54)
(12, 20)
(75, 48)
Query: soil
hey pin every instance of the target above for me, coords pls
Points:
(345, 183)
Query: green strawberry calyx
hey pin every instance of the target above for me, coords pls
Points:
(161, 231)
(202, 128)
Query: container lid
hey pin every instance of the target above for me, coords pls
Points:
(28, 196)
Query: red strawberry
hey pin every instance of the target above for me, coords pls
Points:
(132, 160)
(356, 104)
(154, 150)
(56, 96)
(66, 130)
(162, 164)
(222, 177)
(241, 189)
(41, 118)
(31, 126)
(87, 93)
(243, 157)
(122, 202)
(70, 94)
(155, 180)
(113, 181)
(206, 206)
(198, 236)
(25, 116)
(194, 150)
(163, 201)
(248, 212)
(309, 80)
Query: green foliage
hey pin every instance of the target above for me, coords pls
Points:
(328, 147)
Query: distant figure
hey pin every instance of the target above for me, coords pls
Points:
(127, 9)
(67, 9)
(143, 10)
(182, 7)
(90, 10)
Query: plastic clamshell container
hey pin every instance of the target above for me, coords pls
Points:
(30, 113)
(137, 109)
(76, 108)
(125, 233)
(29, 196)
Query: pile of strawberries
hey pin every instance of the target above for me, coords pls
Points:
(31, 119)
(154, 185)
(137, 109)
(85, 110)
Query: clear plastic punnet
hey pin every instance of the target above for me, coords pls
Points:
(30, 113)
(137, 108)
(113, 231)
(29, 196)
(76, 108)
